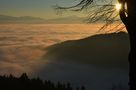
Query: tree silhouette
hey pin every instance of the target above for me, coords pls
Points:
(103, 10)
(24, 83)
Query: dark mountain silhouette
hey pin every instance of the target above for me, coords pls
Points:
(104, 50)
(24, 83)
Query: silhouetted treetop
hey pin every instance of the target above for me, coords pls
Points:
(24, 83)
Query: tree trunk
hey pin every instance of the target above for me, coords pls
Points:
(131, 28)
(132, 60)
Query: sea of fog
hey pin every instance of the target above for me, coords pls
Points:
(22, 47)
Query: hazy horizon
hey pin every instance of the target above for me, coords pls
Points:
(41, 8)
(6, 19)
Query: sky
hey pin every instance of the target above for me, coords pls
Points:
(36, 8)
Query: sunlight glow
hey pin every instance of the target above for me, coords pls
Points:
(118, 6)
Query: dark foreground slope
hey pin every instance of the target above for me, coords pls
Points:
(24, 83)
(104, 50)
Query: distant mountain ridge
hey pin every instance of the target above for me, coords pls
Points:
(30, 19)
(23, 19)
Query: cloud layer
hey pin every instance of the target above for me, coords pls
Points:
(23, 48)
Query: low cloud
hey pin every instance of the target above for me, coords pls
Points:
(27, 48)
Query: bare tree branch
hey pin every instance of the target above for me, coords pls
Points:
(100, 11)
